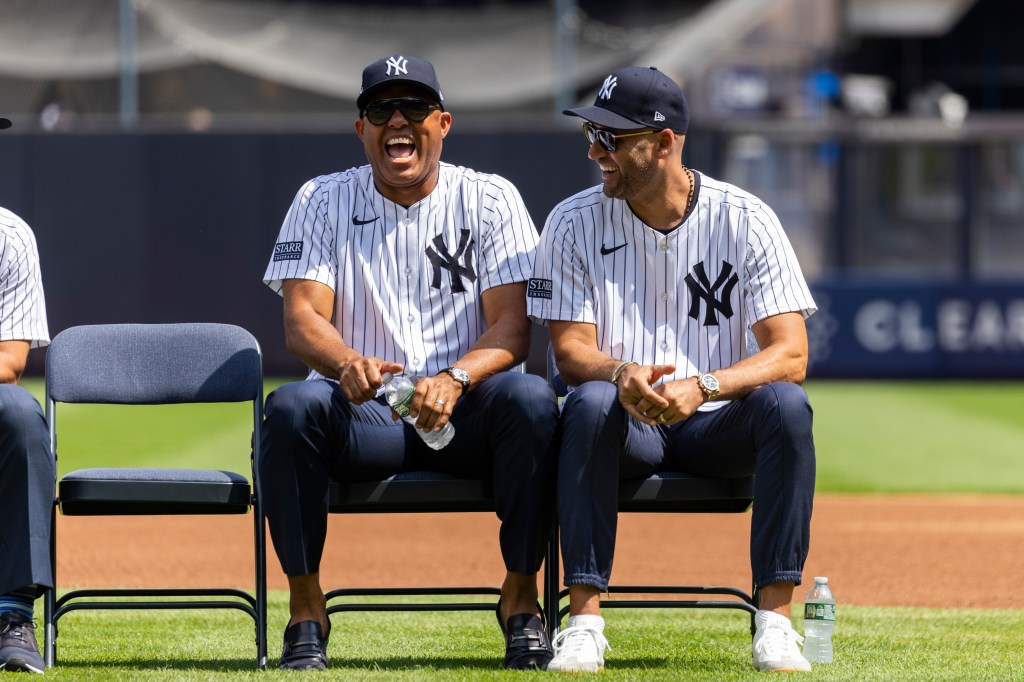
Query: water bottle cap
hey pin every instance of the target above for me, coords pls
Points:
(821, 580)
(386, 378)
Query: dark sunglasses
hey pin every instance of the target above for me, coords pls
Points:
(413, 109)
(606, 138)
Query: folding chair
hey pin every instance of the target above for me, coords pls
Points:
(142, 364)
(424, 492)
(675, 493)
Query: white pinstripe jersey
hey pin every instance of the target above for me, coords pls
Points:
(22, 304)
(407, 281)
(685, 298)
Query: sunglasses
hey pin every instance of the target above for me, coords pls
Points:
(413, 109)
(605, 137)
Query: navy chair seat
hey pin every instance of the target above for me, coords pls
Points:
(144, 491)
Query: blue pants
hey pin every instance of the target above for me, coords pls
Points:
(26, 492)
(504, 431)
(767, 433)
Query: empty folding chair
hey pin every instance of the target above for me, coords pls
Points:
(158, 364)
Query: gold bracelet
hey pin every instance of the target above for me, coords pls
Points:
(618, 370)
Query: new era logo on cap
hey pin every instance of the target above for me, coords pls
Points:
(636, 97)
(398, 69)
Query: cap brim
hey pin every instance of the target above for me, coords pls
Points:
(366, 96)
(603, 117)
(5, 123)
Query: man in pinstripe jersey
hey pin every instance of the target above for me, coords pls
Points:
(26, 467)
(676, 309)
(407, 264)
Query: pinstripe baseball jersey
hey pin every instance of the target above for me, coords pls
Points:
(686, 297)
(407, 281)
(22, 304)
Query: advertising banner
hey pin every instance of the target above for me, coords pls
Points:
(926, 330)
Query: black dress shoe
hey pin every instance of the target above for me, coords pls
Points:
(527, 646)
(305, 646)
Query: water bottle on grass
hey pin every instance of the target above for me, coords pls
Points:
(819, 622)
(398, 390)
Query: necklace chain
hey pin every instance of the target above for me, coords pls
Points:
(689, 196)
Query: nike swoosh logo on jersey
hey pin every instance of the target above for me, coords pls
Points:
(357, 221)
(605, 250)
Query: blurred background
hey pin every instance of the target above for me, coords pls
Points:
(157, 145)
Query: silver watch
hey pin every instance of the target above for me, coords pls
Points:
(460, 375)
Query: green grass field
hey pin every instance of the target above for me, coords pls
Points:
(870, 644)
(871, 437)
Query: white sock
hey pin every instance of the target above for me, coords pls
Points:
(766, 616)
(586, 621)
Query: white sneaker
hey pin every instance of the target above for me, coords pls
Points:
(776, 645)
(580, 647)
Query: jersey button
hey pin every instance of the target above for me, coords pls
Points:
(408, 271)
(664, 245)
(664, 346)
(411, 318)
(664, 296)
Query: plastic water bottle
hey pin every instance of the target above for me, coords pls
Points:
(398, 390)
(819, 622)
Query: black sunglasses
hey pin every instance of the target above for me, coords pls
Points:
(413, 109)
(606, 138)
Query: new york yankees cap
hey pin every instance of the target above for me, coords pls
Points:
(4, 123)
(637, 97)
(398, 69)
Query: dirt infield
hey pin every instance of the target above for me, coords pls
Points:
(941, 551)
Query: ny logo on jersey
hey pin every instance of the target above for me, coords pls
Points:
(399, 63)
(606, 90)
(701, 289)
(442, 260)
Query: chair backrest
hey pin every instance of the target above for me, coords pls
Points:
(153, 364)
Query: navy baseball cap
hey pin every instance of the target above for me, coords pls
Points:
(637, 97)
(398, 69)
(4, 123)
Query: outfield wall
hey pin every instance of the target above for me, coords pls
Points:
(170, 227)
(917, 330)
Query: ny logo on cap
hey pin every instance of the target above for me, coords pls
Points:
(606, 90)
(399, 63)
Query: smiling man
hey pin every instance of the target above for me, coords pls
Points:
(412, 265)
(656, 285)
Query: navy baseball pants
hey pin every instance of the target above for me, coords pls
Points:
(504, 430)
(26, 492)
(767, 433)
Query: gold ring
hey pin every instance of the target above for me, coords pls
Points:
(661, 418)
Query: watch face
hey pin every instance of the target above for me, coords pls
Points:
(709, 382)
(460, 374)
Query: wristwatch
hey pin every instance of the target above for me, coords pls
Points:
(460, 375)
(708, 386)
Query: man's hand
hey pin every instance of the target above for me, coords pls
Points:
(434, 400)
(360, 378)
(636, 394)
(683, 396)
